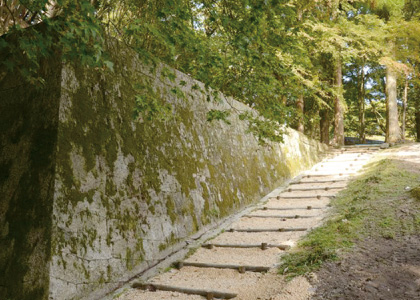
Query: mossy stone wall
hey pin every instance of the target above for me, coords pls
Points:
(129, 191)
(28, 140)
(110, 194)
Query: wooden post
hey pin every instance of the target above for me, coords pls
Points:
(179, 265)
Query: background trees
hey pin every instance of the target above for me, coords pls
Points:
(318, 66)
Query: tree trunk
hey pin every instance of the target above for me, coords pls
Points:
(53, 9)
(404, 112)
(417, 115)
(362, 135)
(300, 109)
(338, 108)
(324, 126)
(392, 126)
(418, 125)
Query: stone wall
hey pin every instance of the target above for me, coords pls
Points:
(127, 192)
(28, 127)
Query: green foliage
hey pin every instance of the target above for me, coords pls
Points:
(264, 130)
(149, 104)
(221, 115)
(263, 53)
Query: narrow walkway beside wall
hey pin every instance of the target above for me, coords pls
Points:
(241, 261)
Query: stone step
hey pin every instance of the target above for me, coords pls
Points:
(297, 203)
(263, 223)
(258, 238)
(309, 192)
(326, 180)
(218, 281)
(334, 174)
(315, 188)
(340, 159)
(236, 256)
(363, 146)
(312, 195)
(284, 213)
(138, 294)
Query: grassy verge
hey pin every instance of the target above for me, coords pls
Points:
(381, 203)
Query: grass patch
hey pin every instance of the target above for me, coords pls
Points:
(376, 204)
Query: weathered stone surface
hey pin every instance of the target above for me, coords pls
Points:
(28, 140)
(118, 194)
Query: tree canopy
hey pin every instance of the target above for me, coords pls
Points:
(323, 67)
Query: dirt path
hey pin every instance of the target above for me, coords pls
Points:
(377, 267)
(235, 263)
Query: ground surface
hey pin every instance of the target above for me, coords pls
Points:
(376, 267)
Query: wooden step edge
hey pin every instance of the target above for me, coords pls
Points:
(289, 190)
(347, 160)
(309, 198)
(240, 268)
(309, 207)
(209, 294)
(279, 217)
(290, 229)
(305, 197)
(262, 246)
(343, 174)
(320, 181)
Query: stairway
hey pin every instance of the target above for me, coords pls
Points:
(240, 256)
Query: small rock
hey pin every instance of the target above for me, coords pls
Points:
(384, 146)
(312, 277)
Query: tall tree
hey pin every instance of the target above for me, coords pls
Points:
(404, 110)
(361, 98)
(338, 107)
(324, 124)
(392, 127)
